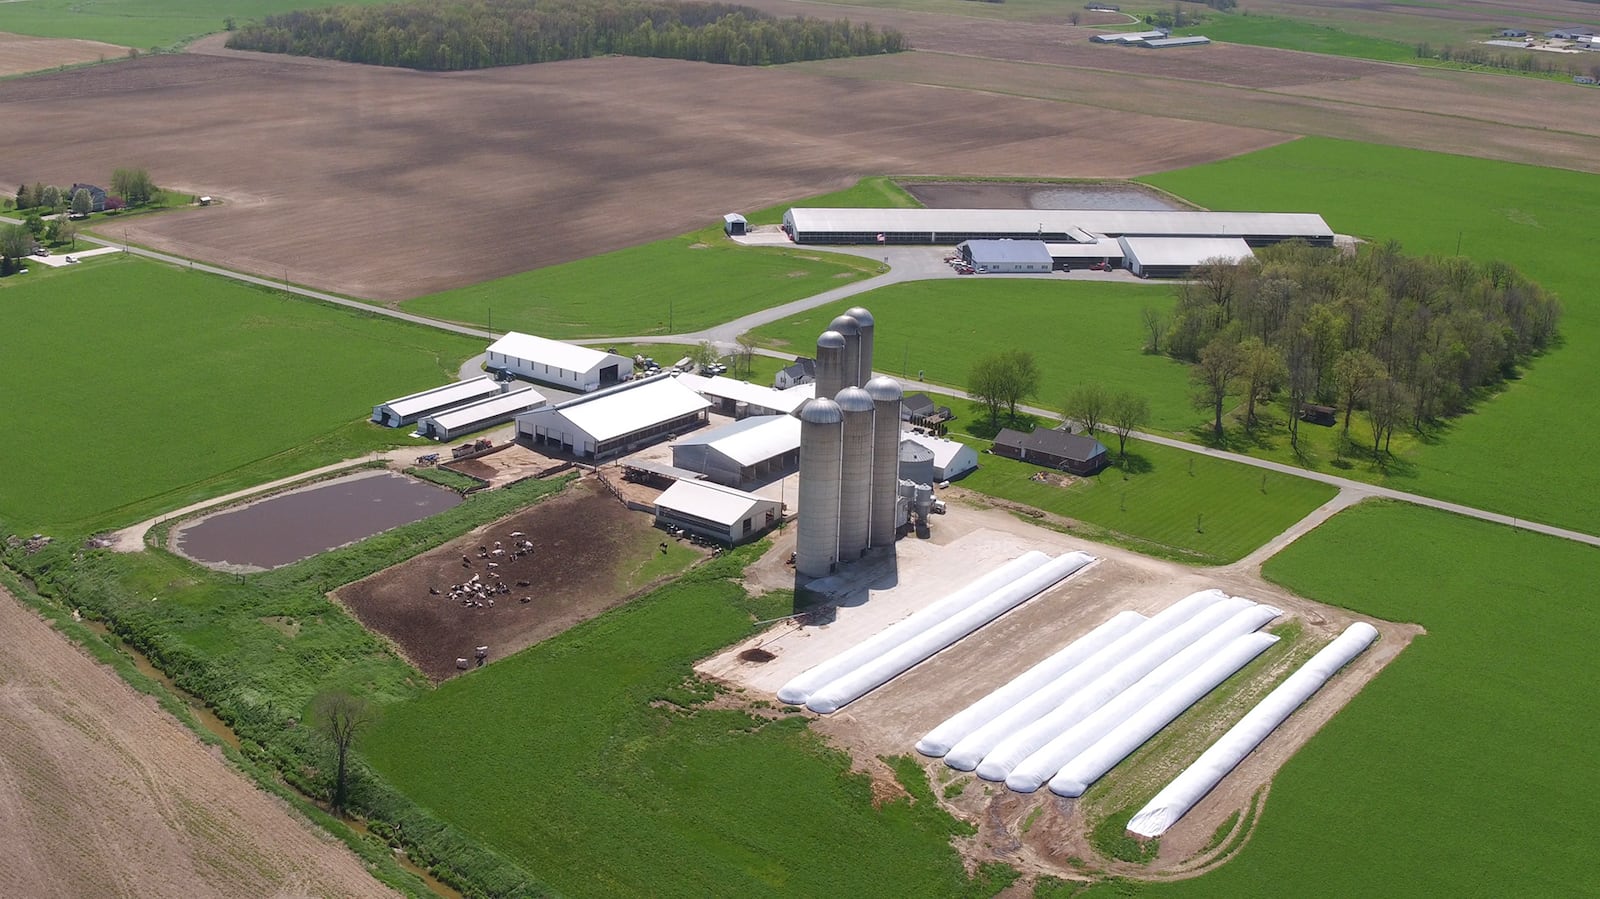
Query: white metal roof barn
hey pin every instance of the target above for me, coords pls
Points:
(951, 458)
(617, 420)
(554, 362)
(1011, 256)
(743, 452)
(1167, 257)
(485, 413)
(712, 510)
(738, 399)
(951, 226)
(407, 409)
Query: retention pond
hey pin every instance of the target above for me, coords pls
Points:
(288, 527)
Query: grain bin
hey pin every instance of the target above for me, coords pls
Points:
(886, 394)
(855, 499)
(830, 364)
(864, 325)
(851, 329)
(916, 462)
(817, 542)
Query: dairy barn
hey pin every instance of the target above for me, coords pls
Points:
(617, 420)
(1053, 226)
(576, 368)
(413, 407)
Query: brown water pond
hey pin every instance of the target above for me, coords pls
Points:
(299, 524)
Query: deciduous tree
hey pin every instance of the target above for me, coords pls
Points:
(1353, 376)
(82, 203)
(1220, 363)
(1127, 413)
(1262, 370)
(340, 717)
(1087, 404)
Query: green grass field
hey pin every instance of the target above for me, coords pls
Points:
(581, 760)
(137, 23)
(1527, 451)
(1465, 768)
(1172, 503)
(1078, 331)
(1294, 34)
(133, 388)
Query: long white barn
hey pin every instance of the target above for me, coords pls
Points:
(952, 226)
(566, 365)
(615, 421)
(412, 407)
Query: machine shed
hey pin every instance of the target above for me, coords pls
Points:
(612, 422)
(568, 365)
(717, 512)
(1167, 257)
(748, 451)
(1009, 256)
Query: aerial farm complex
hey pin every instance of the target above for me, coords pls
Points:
(1017, 451)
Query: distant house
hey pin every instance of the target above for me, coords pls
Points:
(97, 196)
(923, 412)
(1053, 449)
(803, 371)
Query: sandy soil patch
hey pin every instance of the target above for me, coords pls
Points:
(514, 463)
(587, 549)
(21, 53)
(891, 719)
(103, 794)
(342, 176)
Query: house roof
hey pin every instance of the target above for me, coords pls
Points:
(920, 404)
(1049, 222)
(1008, 251)
(784, 401)
(1075, 447)
(440, 397)
(633, 406)
(712, 502)
(1188, 251)
(495, 406)
(802, 366)
(751, 440)
(554, 353)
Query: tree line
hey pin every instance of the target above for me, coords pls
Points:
(1513, 61)
(476, 34)
(1408, 340)
(129, 187)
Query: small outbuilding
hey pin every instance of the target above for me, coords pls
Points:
(734, 225)
(554, 362)
(1006, 256)
(951, 458)
(717, 512)
(803, 371)
(412, 407)
(615, 421)
(920, 410)
(1176, 257)
(1064, 450)
(745, 452)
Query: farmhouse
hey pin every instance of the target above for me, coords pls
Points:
(742, 453)
(617, 420)
(407, 409)
(739, 399)
(952, 226)
(803, 371)
(951, 458)
(1006, 255)
(1053, 449)
(1160, 257)
(717, 512)
(458, 420)
(921, 411)
(97, 196)
(554, 362)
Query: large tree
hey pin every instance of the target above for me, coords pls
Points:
(1353, 377)
(340, 717)
(1087, 404)
(1004, 379)
(16, 241)
(1262, 371)
(133, 185)
(1220, 363)
(82, 203)
(1127, 413)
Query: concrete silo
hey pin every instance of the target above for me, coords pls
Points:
(864, 325)
(821, 442)
(851, 329)
(855, 499)
(830, 364)
(886, 395)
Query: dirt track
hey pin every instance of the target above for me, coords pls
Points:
(103, 794)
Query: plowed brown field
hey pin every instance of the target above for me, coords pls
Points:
(389, 183)
(103, 794)
(20, 53)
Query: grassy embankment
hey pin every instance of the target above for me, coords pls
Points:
(135, 388)
(673, 286)
(1525, 451)
(592, 760)
(1463, 769)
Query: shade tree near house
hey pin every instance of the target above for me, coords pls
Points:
(1003, 380)
(133, 186)
(1127, 412)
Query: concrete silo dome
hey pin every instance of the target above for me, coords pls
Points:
(884, 389)
(845, 325)
(853, 399)
(822, 411)
(831, 340)
(861, 315)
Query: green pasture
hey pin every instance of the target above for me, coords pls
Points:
(133, 387)
(672, 286)
(1078, 331)
(590, 760)
(1465, 768)
(137, 23)
(1296, 34)
(1163, 501)
(1528, 450)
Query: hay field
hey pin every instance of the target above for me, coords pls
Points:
(20, 54)
(389, 184)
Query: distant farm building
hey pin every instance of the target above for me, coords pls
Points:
(741, 399)
(734, 225)
(1053, 226)
(1081, 255)
(1162, 43)
(1102, 7)
(1571, 33)
(717, 512)
(412, 407)
(1063, 450)
(1128, 37)
(560, 364)
(742, 453)
(486, 413)
(1006, 256)
(803, 371)
(1513, 32)
(617, 420)
(951, 458)
(1160, 257)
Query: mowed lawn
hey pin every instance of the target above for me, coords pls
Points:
(1078, 331)
(1467, 767)
(1529, 451)
(133, 388)
(571, 759)
(1173, 503)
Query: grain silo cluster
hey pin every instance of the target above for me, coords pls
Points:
(851, 495)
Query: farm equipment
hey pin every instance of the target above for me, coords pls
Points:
(429, 459)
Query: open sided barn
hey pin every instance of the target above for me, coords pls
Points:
(615, 421)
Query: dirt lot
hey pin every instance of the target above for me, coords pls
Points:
(103, 794)
(590, 554)
(20, 53)
(343, 176)
(891, 719)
